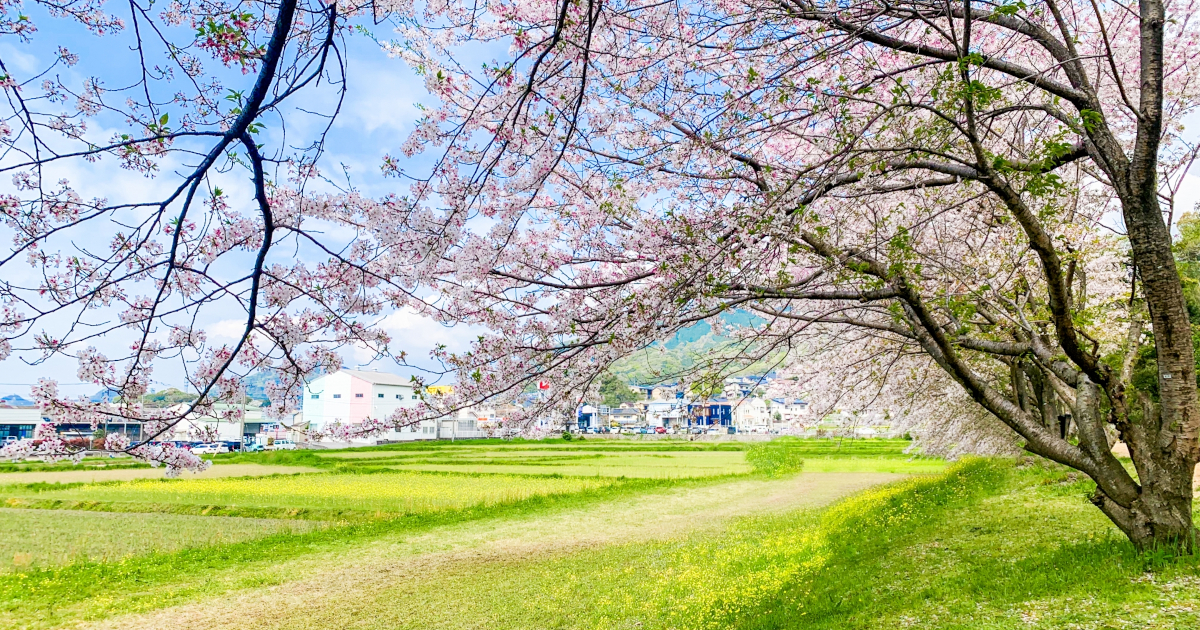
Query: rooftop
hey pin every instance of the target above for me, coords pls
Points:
(379, 378)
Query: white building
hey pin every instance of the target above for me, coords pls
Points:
(666, 413)
(751, 414)
(352, 396)
(19, 422)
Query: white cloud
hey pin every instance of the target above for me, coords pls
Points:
(384, 96)
(226, 329)
(418, 335)
(19, 61)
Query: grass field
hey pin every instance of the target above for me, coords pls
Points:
(41, 538)
(620, 458)
(594, 535)
(99, 474)
(391, 493)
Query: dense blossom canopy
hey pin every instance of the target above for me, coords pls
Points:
(925, 203)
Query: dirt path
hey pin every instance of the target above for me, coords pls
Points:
(326, 590)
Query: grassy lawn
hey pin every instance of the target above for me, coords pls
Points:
(43, 538)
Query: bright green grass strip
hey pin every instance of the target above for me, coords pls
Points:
(88, 463)
(984, 546)
(49, 598)
(914, 466)
(672, 465)
(1035, 554)
(708, 580)
(392, 492)
(199, 509)
(41, 538)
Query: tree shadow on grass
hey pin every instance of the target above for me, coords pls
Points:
(1009, 560)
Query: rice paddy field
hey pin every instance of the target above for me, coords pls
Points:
(106, 510)
(666, 459)
(41, 538)
(598, 534)
(388, 492)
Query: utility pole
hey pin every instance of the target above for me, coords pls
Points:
(242, 425)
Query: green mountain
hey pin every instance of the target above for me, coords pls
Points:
(695, 348)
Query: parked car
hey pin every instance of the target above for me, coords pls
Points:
(715, 431)
(696, 430)
(282, 445)
(10, 439)
(210, 448)
(253, 448)
(660, 430)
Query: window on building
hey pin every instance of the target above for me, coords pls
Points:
(398, 397)
(315, 396)
(358, 395)
(337, 395)
(381, 395)
(414, 397)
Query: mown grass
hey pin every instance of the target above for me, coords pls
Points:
(42, 538)
(50, 597)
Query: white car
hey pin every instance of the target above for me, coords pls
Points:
(715, 431)
(210, 448)
(282, 445)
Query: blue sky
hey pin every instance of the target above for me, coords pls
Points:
(376, 118)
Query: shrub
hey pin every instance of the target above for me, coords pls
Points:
(775, 457)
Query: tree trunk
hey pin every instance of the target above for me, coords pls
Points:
(1163, 441)
(1161, 516)
(1158, 512)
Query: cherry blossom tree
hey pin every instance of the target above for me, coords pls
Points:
(198, 97)
(928, 193)
(959, 210)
